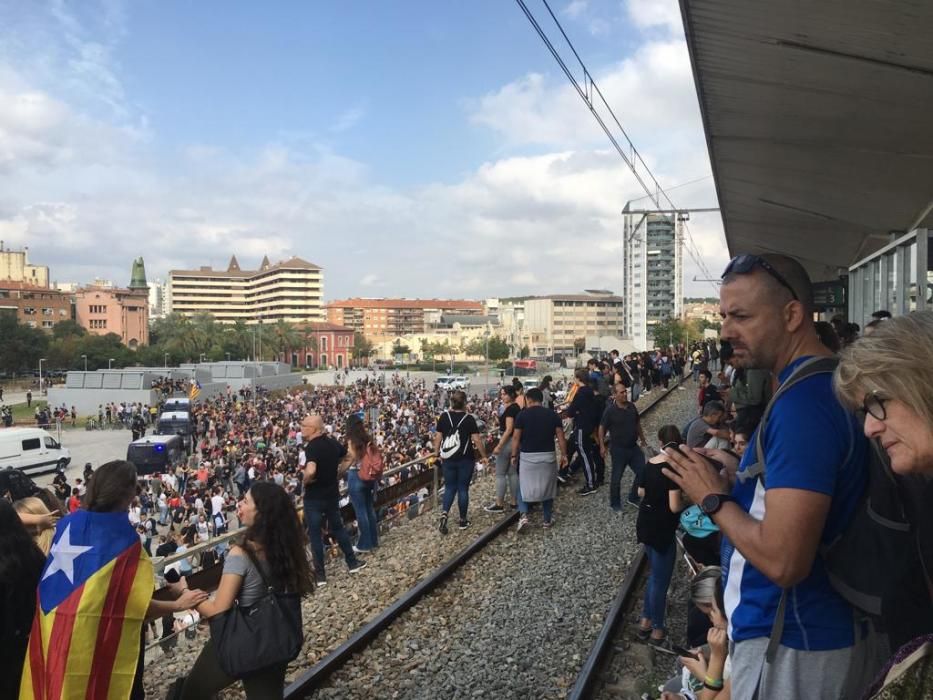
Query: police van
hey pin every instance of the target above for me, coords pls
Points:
(156, 454)
(32, 449)
(177, 423)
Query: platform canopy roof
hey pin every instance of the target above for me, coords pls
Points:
(819, 121)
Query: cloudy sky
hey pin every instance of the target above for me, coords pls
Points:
(411, 148)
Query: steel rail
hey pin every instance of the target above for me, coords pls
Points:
(308, 681)
(586, 678)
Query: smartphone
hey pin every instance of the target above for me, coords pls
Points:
(673, 446)
(675, 651)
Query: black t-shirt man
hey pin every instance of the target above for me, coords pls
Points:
(449, 421)
(621, 422)
(326, 453)
(537, 424)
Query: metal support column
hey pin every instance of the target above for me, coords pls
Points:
(901, 280)
(923, 243)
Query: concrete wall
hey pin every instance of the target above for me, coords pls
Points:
(239, 375)
(87, 390)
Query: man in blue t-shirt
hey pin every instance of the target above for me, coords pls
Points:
(816, 467)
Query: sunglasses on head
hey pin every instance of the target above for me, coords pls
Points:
(743, 264)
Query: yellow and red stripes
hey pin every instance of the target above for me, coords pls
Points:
(88, 646)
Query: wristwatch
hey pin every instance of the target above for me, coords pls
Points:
(711, 504)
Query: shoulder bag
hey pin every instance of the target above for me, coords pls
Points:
(254, 637)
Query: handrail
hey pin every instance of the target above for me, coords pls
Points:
(161, 563)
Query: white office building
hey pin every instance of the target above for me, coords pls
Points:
(652, 273)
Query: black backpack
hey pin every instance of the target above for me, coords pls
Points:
(15, 485)
(875, 547)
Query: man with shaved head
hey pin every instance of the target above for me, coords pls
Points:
(321, 478)
(794, 635)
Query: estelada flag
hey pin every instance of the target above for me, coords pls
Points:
(92, 599)
(195, 390)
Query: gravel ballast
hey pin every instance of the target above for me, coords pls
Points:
(516, 621)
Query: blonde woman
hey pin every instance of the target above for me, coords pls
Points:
(888, 376)
(41, 535)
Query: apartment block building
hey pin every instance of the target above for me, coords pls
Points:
(291, 290)
(652, 272)
(552, 323)
(38, 307)
(380, 318)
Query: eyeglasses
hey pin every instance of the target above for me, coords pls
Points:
(743, 264)
(873, 405)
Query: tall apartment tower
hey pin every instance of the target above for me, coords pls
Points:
(652, 272)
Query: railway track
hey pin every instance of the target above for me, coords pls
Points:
(492, 555)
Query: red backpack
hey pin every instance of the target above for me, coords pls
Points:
(372, 465)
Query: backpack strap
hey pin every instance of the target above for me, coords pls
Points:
(805, 370)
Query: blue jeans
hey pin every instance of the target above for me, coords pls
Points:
(362, 496)
(546, 506)
(316, 510)
(457, 476)
(659, 580)
(635, 391)
(624, 457)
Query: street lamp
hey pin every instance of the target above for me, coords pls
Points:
(84, 357)
(201, 357)
(486, 335)
(165, 360)
(41, 360)
(110, 363)
(228, 356)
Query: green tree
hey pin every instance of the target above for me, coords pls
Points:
(427, 349)
(498, 348)
(400, 348)
(673, 331)
(238, 341)
(524, 352)
(68, 328)
(21, 346)
(285, 337)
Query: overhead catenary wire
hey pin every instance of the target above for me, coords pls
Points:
(629, 153)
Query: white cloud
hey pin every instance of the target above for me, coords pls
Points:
(86, 190)
(576, 8)
(656, 13)
(348, 119)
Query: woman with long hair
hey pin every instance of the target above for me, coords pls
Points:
(21, 563)
(361, 491)
(274, 540)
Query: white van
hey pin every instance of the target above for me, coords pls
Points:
(32, 449)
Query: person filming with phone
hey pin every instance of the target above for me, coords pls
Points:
(793, 634)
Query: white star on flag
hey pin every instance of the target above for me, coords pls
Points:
(63, 556)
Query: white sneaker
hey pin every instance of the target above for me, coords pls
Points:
(522, 522)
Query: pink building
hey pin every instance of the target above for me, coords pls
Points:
(103, 310)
